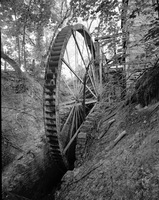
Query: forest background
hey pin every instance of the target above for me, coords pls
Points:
(28, 29)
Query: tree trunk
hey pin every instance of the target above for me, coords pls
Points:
(17, 38)
(23, 46)
(12, 63)
(39, 38)
(24, 33)
(5, 66)
(18, 44)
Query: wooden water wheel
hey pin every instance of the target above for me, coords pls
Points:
(70, 90)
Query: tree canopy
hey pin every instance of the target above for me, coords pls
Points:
(27, 27)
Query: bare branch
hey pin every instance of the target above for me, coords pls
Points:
(12, 63)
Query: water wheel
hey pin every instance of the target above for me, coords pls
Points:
(70, 90)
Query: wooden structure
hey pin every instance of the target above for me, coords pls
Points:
(73, 87)
(71, 90)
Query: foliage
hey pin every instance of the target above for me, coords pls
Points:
(105, 11)
(106, 15)
(146, 88)
(27, 28)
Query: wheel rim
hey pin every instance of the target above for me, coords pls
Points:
(70, 89)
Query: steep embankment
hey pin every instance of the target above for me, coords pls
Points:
(121, 160)
(28, 170)
(22, 116)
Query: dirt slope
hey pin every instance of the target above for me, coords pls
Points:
(121, 163)
(22, 116)
(28, 169)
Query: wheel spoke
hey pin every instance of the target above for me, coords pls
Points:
(82, 50)
(79, 49)
(91, 79)
(69, 88)
(67, 103)
(73, 103)
(70, 104)
(90, 62)
(78, 76)
(70, 64)
(93, 70)
(76, 61)
(72, 123)
(65, 62)
(75, 135)
(81, 114)
(86, 83)
(66, 122)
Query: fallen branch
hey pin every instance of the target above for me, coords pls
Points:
(115, 142)
(120, 136)
(87, 173)
(109, 116)
(107, 128)
(11, 144)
